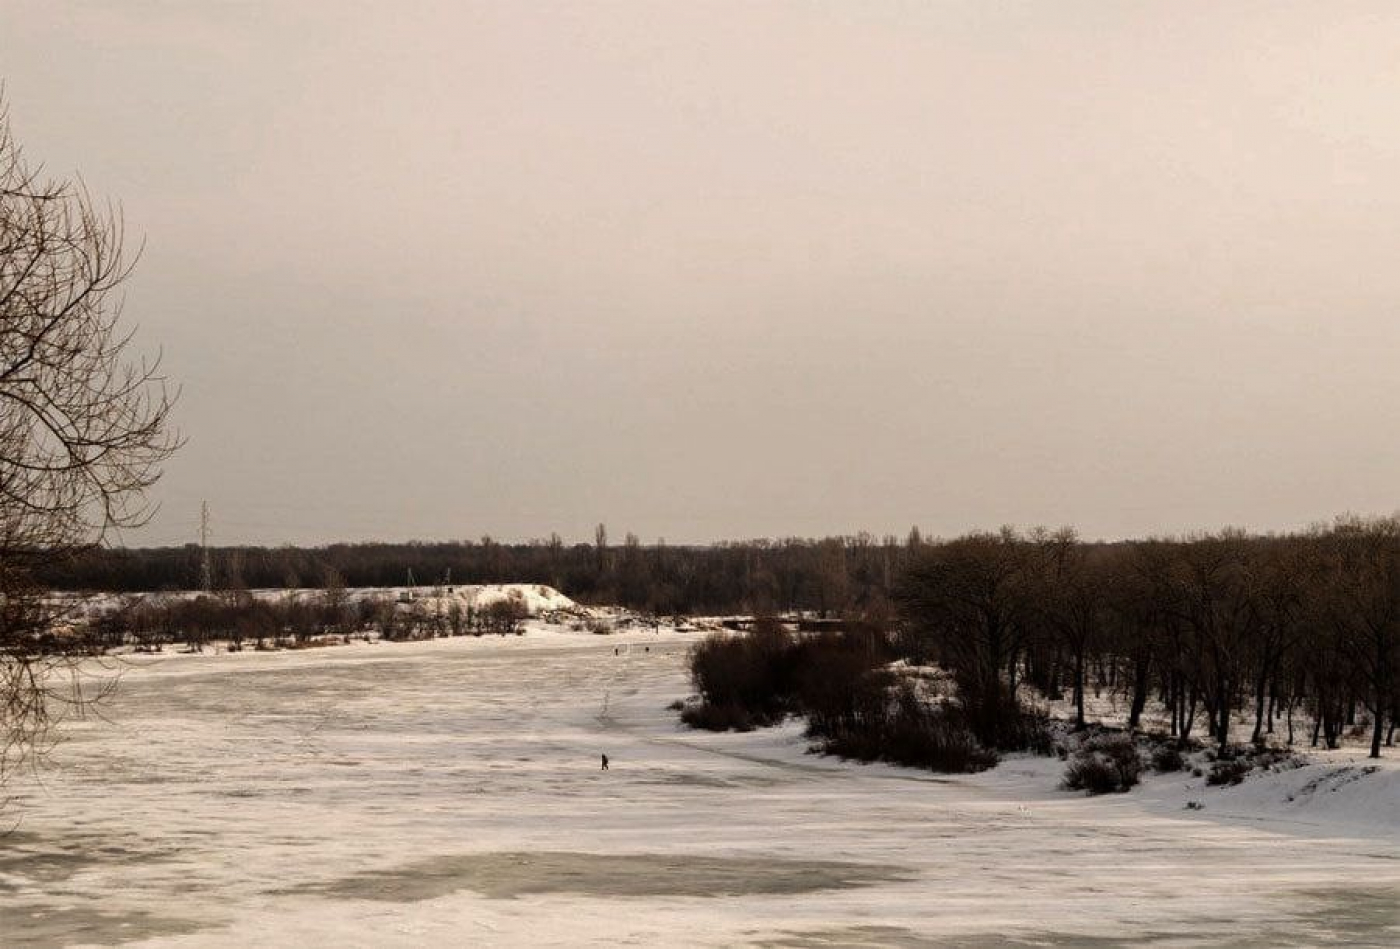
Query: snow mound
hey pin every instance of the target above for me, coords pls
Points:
(537, 599)
(1364, 792)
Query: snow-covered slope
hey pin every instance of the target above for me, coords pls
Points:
(537, 598)
(1331, 793)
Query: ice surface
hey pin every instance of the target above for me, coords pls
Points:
(449, 793)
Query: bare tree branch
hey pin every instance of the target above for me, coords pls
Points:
(84, 426)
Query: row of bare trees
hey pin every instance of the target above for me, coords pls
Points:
(1276, 629)
(241, 620)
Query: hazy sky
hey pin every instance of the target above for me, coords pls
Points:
(708, 270)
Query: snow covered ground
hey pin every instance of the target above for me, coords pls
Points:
(449, 793)
(536, 598)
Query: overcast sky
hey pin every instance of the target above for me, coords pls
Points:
(719, 270)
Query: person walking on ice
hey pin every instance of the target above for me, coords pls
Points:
(605, 762)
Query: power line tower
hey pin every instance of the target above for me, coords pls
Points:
(206, 569)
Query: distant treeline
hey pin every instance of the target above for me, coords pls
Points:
(830, 574)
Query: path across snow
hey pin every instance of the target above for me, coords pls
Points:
(449, 793)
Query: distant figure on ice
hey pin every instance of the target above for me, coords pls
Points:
(605, 762)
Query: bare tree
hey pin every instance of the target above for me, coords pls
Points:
(1279, 594)
(971, 599)
(1216, 600)
(1072, 592)
(84, 421)
(1365, 609)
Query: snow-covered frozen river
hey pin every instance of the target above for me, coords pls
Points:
(449, 793)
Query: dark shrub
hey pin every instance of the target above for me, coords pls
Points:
(838, 681)
(999, 721)
(1167, 758)
(746, 678)
(1032, 733)
(1229, 771)
(1092, 773)
(1104, 764)
(719, 718)
(504, 616)
(903, 729)
(1281, 759)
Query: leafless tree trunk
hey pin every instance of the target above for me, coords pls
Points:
(1365, 599)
